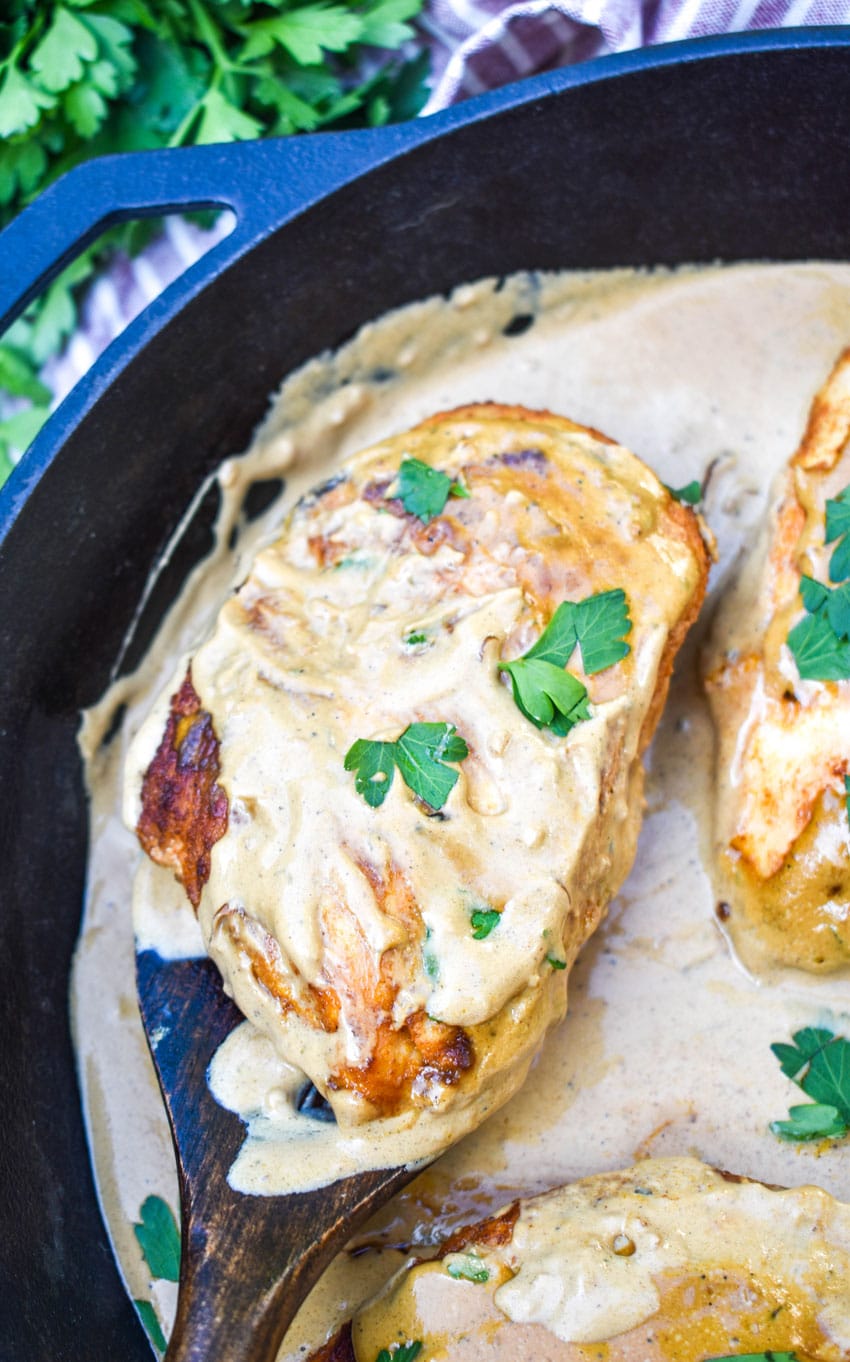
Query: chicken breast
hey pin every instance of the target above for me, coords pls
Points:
(396, 846)
(668, 1261)
(783, 725)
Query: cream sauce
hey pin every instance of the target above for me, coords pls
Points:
(666, 1047)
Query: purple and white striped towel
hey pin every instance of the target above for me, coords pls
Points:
(481, 44)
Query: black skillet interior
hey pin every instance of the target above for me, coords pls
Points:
(741, 154)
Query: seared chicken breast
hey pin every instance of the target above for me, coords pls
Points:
(778, 680)
(668, 1261)
(395, 836)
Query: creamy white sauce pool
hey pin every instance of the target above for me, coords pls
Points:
(666, 1047)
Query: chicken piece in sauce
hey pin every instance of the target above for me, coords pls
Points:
(409, 955)
(782, 831)
(667, 1261)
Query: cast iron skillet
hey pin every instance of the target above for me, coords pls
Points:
(733, 148)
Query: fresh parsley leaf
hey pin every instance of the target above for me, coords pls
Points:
(402, 1352)
(159, 1239)
(545, 693)
(21, 102)
(837, 525)
(385, 24)
(556, 963)
(483, 920)
(558, 641)
(811, 1121)
(374, 763)
(17, 432)
(838, 610)
(835, 604)
(413, 640)
(817, 650)
(151, 1324)
(467, 1266)
(691, 493)
(423, 491)
(769, 1356)
(601, 624)
(306, 32)
(819, 1063)
(85, 109)
(421, 754)
(814, 594)
(793, 1059)
(222, 121)
(19, 376)
(60, 57)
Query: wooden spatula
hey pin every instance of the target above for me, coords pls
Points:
(247, 1262)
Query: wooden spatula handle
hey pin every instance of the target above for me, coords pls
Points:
(246, 1262)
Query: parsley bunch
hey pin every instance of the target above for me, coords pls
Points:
(79, 78)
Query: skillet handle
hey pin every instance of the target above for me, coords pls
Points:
(264, 183)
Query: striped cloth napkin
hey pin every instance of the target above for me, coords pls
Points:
(481, 44)
(476, 45)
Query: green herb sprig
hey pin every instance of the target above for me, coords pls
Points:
(690, 494)
(423, 491)
(79, 78)
(467, 1267)
(547, 694)
(818, 1061)
(420, 754)
(482, 921)
(402, 1352)
(769, 1356)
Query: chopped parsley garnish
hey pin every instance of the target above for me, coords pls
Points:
(411, 640)
(420, 755)
(819, 1063)
(483, 920)
(546, 694)
(837, 525)
(423, 490)
(769, 1356)
(691, 493)
(820, 642)
(374, 764)
(402, 1352)
(467, 1266)
(819, 653)
(431, 965)
(556, 963)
